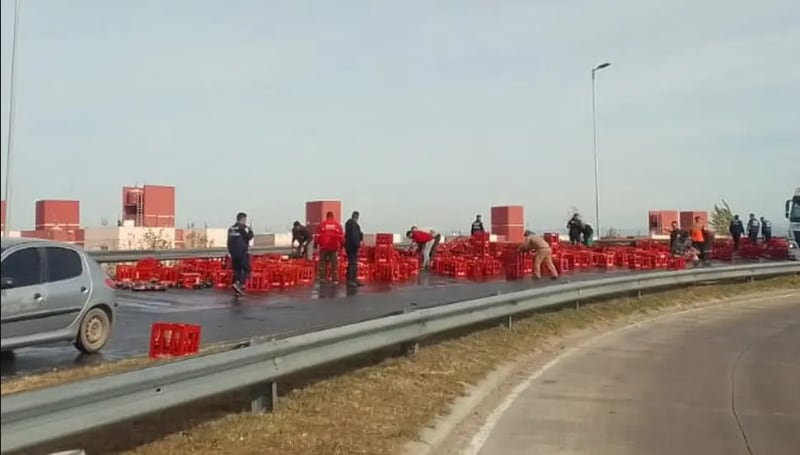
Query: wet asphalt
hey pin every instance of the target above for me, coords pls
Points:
(224, 318)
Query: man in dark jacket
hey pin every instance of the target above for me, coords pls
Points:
(753, 226)
(352, 242)
(736, 230)
(239, 236)
(301, 236)
(766, 229)
(477, 226)
(588, 235)
(575, 228)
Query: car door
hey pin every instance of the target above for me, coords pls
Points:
(23, 293)
(67, 284)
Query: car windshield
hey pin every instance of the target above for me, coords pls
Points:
(794, 215)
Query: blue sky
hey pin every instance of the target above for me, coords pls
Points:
(412, 112)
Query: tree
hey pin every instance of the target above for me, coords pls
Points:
(149, 241)
(197, 239)
(613, 233)
(722, 216)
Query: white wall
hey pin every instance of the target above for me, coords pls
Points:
(272, 239)
(127, 238)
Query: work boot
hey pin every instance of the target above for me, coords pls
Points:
(237, 288)
(352, 284)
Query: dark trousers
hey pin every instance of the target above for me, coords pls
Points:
(753, 236)
(241, 268)
(737, 239)
(329, 258)
(352, 265)
(701, 248)
(574, 237)
(767, 236)
(302, 249)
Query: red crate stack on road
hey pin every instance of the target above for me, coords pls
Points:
(687, 218)
(508, 221)
(316, 210)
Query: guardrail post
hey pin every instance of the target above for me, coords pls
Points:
(410, 349)
(507, 322)
(264, 400)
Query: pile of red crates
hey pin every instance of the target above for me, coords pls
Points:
(777, 248)
(383, 263)
(477, 258)
(473, 258)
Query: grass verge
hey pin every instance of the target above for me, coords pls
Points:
(53, 377)
(380, 403)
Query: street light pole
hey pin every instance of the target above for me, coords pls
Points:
(11, 111)
(594, 149)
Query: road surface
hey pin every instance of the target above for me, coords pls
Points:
(721, 380)
(274, 313)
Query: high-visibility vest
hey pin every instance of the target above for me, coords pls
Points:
(697, 233)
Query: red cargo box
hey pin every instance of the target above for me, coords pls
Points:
(511, 233)
(316, 210)
(687, 218)
(508, 214)
(660, 221)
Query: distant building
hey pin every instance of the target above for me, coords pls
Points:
(129, 237)
(149, 205)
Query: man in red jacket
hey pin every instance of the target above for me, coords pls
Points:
(331, 239)
(426, 243)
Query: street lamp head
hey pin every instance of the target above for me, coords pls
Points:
(602, 65)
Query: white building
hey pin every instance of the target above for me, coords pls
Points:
(128, 237)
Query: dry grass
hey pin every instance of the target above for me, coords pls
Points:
(378, 405)
(53, 377)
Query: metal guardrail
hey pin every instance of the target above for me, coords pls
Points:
(41, 416)
(112, 256)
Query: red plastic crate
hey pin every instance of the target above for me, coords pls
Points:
(174, 339)
(384, 239)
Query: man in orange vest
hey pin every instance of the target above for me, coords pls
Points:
(697, 234)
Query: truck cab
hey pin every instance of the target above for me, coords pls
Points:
(793, 215)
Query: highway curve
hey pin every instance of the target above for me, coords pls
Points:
(718, 380)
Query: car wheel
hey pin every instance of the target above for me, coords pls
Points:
(94, 331)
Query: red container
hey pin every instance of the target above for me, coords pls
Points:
(57, 214)
(169, 339)
(687, 218)
(316, 211)
(512, 233)
(660, 221)
(149, 206)
(508, 215)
